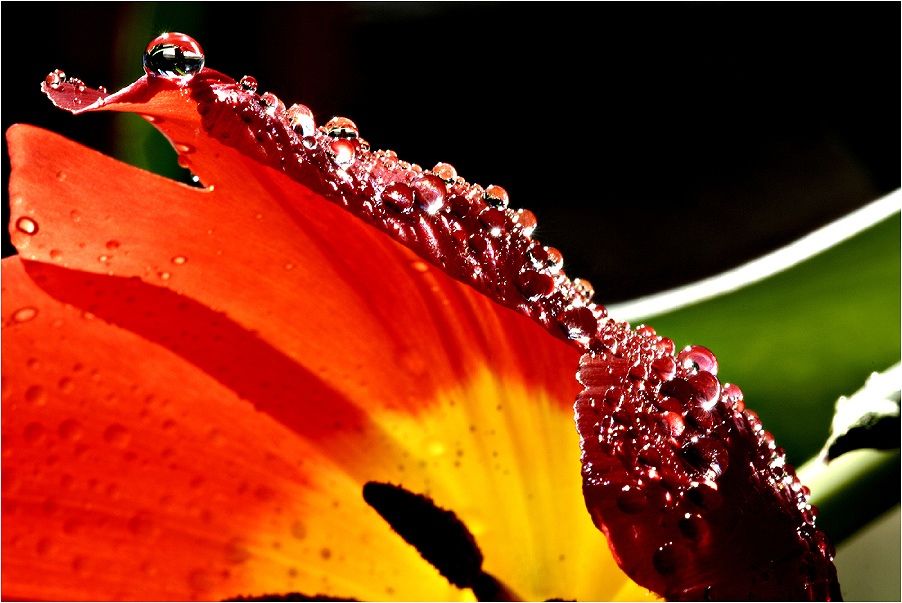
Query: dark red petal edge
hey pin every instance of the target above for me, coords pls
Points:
(696, 500)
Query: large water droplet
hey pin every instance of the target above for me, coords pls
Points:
(526, 220)
(25, 314)
(342, 152)
(445, 171)
(26, 225)
(248, 83)
(341, 127)
(173, 56)
(56, 78)
(430, 192)
(117, 435)
(698, 358)
(300, 118)
(497, 196)
(398, 196)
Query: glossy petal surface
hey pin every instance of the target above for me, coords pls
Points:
(197, 417)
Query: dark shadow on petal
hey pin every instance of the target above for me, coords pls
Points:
(237, 358)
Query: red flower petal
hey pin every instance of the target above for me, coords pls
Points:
(361, 363)
(658, 457)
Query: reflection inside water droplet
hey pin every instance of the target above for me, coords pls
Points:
(173, 56)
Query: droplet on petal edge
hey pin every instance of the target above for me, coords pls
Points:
(666, 449)
(173, 56)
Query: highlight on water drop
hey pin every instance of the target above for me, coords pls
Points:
(173, 56)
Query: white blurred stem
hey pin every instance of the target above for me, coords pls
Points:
(773, 263)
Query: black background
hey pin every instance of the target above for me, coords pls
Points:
(656, 143)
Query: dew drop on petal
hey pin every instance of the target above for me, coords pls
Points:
(71, 430)
(341, 127)
(34, 433)
(179, 260)
(584, 288)
(56, 78)
(300, 118)
(248, 83)
(26, 225)
(445, 171)
(430, 192)
(631, 500)
(173, 56)
(398, 196)
(698, 358)
(670, 558)
(36, 394)
(342, 152)
(526, 220)
(25, 314)
(117, 435)
(497, 196)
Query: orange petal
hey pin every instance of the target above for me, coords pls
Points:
(356, 363)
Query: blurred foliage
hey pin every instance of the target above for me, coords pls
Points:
(795, 342)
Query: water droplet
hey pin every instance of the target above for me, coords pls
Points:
(179, 260)
(496, 196)
(173, 56)
(25, 314)
(248, 83)
(445, 171)
(55, 78)
(343, 153)
(112, 245)
(546, 258)
(45, 546)
(494, 220)
(693, 526)
(534, 285)
(36, 395)
(670, 558)
(695, 357)
(236, 551)
(164, 275)
(298, 530)
(183, 147)
(430, 192)
(71, 430)
(272, 104)
(55, 254)
(117, 435)
(79, 85)
(526, 220)
(34, 433)
(398, 196)
(578, 323)
(584, 288)
(632, 501)
(27, 225)
(66, 385)
(706, 389)
(341, 127)
(732, 397)
(300, 119)
(673, 423)
(708, 456)
(665, 367)
(141, 524)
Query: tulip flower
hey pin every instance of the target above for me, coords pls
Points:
(370, 397)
